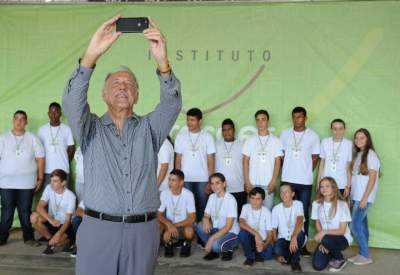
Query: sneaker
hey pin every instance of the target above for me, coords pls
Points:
(354, 258)
(259, 259)
(227, 256)
(361, 260)
(32, 243)
(68, 248)
(337, 265)
(185, 249)
(3, 242)
(169, 250)
(73, 253)
(211, 256)
(248, 262)
(49, 250)
(296, 267)
(305, 253)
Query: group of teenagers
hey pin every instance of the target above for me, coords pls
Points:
(218, 192)
(222, 192)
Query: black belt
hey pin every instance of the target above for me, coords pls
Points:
(125, 218)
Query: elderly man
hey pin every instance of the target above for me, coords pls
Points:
(119, 233)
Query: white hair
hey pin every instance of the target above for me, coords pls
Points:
(121, 68)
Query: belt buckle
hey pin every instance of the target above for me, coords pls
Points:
(123, 218)
(145, 217)
(101, 216)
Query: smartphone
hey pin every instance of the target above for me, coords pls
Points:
(132, 24)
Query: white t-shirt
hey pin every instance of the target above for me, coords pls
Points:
(258, 219)
(165, 155)
(59, 204)
(79, 166)
(337, 156)
(177, 206)
(228, 161)
(56, 141)
(321, 212)
(284, 218)
(221, 208)
(194, 148)
(262, 150)
(359, 182)
(18, 168)
(299, 148)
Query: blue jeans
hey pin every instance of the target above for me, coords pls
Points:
(22, 200)
(75, 222)
(359, 227)
(303, 194)
(248, 243)
(200, 197)
(335, 245)
(281, 248)
(223, 244)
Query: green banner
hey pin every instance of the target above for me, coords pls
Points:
(337, 59)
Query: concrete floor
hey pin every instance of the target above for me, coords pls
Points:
(19, 259)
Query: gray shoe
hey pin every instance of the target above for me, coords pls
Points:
(32, 243)
(337, 265)
(361, 260)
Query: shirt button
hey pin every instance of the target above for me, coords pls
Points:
(126, 175)
(165, 82)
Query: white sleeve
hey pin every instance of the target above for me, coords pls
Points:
(232, 208)
(210, 145)
(275, 218)
(208, 206)
(299, 210)
(190, 207)
(178, 144)
(41, 135)
(373, 161)
(283, 140)
(1, 146)
(38, 147)
(71, 204)
(316, 145)
(345, 212)
(46, 194)
(243, 214)
(322, 154)
(269, 221)
(70, 137)
(350, 152)
(246, 149)
(163, 154)
(278, 148)
(314, 211)
(163, 200)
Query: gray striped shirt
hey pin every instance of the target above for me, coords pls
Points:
(120, 172)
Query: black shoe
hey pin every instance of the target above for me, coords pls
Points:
(49, 250)
(305, 253)
(185, 249)
(248, 262)
(68, 248)
(169, 250)
(3, 242)
(259, 259)
(296, 267)
(211, 256)
(227, 256)
(73, 253)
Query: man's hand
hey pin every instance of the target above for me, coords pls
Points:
(259, 243)
(101, 41)
(172, 230)
(38, 185)
(157, 45)
(54, 222)
(271, 187)
(207, 226)
(248, 186)
(293, 247)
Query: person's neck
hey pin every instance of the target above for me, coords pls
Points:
(60, 191)
(288, 203)
(195, 130)
(118, 116)
(258, 207)
(230, 140)
(18, 132)
(299, 128)
(221, 194)
(55, 123)
(337, 139)
(328, 199)
(263, 132)
(176, 192)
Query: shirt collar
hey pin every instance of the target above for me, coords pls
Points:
(106, 119)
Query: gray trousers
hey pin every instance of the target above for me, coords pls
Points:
(112, 248)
